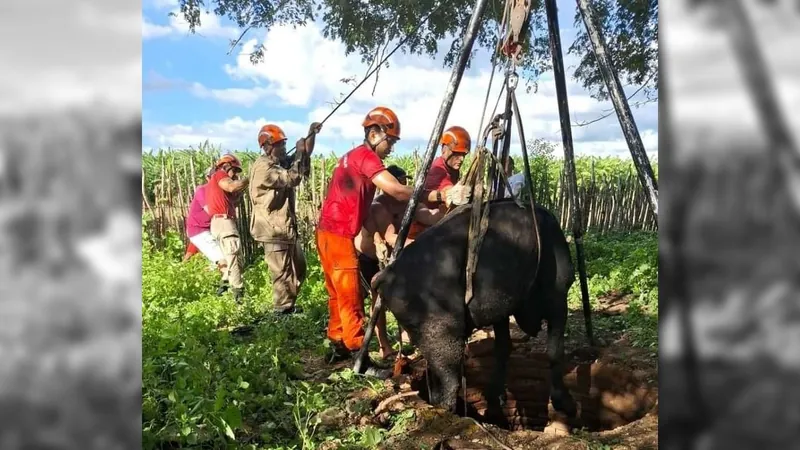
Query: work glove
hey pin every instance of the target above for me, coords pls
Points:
(381, 251)
(314, 128)
(302, 160)
(300, 146)
(457, 195)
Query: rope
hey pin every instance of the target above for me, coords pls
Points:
(505, 179)
(490, 434)
(480, 214)
(529, 182)
(378, 66)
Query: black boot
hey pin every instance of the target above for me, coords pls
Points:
(223, 288)
(238, 294)
(291, 310)
(338, 352)
(372, 369)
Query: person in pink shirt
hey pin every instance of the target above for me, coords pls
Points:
(198, 230)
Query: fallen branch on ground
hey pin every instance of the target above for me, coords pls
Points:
(385, 403)
(491, 435)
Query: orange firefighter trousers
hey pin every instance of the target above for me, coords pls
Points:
(340, 265)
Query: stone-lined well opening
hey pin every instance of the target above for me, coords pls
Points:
(608, 396)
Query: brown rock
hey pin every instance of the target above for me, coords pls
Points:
(557, 428)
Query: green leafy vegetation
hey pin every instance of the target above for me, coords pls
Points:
(203, 384)
(223, 375)
(623, 266)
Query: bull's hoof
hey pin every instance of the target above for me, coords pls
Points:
(496, 416)
(566, 405)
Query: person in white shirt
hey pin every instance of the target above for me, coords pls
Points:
(516, 181)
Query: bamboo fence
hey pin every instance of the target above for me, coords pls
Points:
(610, 201)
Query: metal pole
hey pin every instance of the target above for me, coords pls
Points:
(629, 129)
(422, 172)
(569, 157)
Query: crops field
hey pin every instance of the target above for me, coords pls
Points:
(216, 374)
(611, 197)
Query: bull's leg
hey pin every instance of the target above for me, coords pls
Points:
(559, 395)
(434, 386)
(444, 353)
(495, 394)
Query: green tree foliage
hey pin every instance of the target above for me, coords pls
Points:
(630, 26)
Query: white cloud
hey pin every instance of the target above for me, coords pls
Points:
(151, 31)
(164, 4)
(618, 147)
(236, 96)
(291, 76)
(305, 75)
(210, 26)
(234, 133)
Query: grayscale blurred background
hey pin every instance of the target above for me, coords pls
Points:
(70, 226)
(730, 226)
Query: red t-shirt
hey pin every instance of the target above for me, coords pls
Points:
(439, 177)
(219, 201)
(350, 192)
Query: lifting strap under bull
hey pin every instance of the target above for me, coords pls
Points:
(479, 217)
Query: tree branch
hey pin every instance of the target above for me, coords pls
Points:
(239, 39)
(378, 60)
(385, 403)
(251, 25)
(374, 61)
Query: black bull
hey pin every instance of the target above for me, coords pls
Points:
(424, 289)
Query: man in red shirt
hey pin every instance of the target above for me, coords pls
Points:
(222, 191)
(344, 210)
(444, 174)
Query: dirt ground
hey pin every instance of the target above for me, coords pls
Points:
(415, 424)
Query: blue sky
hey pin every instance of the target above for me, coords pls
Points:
(192, 90)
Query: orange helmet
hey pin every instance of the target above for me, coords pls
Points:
(271, 134)
(457, 138)
(228, 158)
(386, 119)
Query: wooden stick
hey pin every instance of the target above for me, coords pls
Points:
(385, 403)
